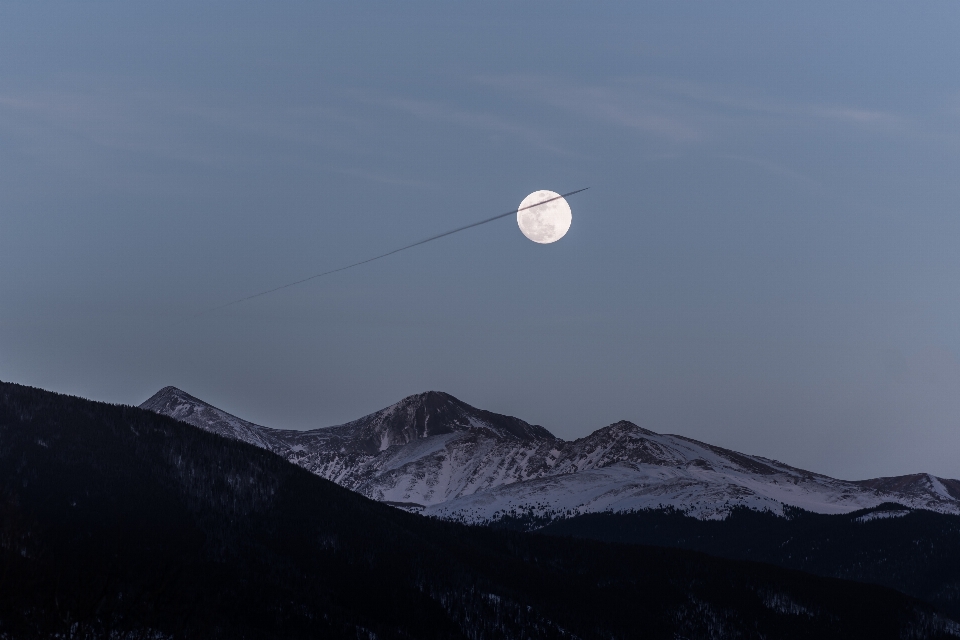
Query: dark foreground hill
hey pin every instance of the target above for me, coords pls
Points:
(116, 522)
(914, 551)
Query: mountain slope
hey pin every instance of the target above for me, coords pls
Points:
(180, 405)
(624, 467)
(458, 462)
(117, 522)
(425, 449)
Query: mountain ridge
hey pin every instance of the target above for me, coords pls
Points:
(436, 453)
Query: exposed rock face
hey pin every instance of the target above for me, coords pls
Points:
(434, 452)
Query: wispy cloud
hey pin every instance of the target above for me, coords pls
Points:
(201, 128)
(685, 112)
(444, 112)
(73, 127)
(643, 112)
(115, 121)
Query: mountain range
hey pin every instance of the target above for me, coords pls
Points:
(435, 454)
(116, 522)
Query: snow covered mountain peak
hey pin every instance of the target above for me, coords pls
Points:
(435, 413)
(176, 403)
(424, 449)
(435, 453)
(171, 395)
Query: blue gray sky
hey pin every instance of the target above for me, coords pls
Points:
(767, 258)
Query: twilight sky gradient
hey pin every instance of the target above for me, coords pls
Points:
(768, 258)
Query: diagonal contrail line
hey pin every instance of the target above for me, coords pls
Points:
(384, 255)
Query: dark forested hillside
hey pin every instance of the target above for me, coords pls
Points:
(914, 551)
(116, 522)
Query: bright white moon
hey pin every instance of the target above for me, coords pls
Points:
(544, 223)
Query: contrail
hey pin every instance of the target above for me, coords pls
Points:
(384, 255)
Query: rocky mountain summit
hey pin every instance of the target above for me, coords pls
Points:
(433, 453)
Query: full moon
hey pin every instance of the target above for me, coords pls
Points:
(544, 223)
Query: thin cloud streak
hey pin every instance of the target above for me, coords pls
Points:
(683, 112)
(438, 111)
(166, 124)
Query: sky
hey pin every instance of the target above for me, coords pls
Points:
(766, 260)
